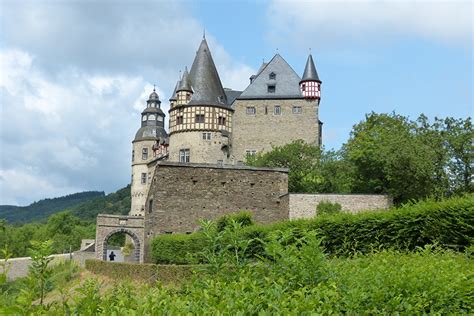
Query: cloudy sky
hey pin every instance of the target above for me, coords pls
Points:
(75, 74)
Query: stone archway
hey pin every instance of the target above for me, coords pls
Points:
(133, 226)
(136, 243)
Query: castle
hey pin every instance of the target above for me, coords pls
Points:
(211, 124)
(197, 172)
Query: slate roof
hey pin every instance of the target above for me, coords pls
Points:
(205, 81)
(286, 82)
(173, 95)
(231, 95)
(310, 72)
(185, 83)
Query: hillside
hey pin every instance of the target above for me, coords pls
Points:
(113, 203)
(42, 209)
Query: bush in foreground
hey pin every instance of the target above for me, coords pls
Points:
(295, 278)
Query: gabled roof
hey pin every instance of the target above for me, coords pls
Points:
(310, 73)
(207, 86)
(286, 82)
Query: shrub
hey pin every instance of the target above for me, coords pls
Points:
(244, 218)
(328, 208)
(448, 223)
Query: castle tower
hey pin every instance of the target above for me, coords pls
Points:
(148, 143)
(201, 117)
(310, 84)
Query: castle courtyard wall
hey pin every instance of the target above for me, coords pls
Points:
(182, 194)
(304, 205)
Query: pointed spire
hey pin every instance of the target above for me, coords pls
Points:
(310, 73)
(173, 95)
(204, 34)
(207, 86)
(185, 84)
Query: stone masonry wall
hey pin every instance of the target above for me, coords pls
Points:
(181, 194)
(200, 150)
(304, 205)
(260, 131)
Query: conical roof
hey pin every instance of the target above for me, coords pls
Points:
(185, 84)
(207, 86)
(310, 73)
(173, 95)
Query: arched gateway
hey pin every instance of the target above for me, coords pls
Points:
(133, 226)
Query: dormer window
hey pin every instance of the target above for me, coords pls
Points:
(272, 76)
(271, 88)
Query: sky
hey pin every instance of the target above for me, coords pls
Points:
(74, 75)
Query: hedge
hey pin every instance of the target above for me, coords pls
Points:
(448, 223)
(146, 273)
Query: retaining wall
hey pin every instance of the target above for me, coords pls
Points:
(304, 205)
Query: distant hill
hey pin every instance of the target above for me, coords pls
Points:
(113, 203)
(40, 210)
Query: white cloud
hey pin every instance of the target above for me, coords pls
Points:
(335, 22)
(74, 78)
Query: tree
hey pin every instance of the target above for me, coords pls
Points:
(459, 135)
(390, 158)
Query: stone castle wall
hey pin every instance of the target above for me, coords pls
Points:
(260, 131)
(201, 150)
(181, 194)
(304, 205)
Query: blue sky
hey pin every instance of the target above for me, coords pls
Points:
(75, 74)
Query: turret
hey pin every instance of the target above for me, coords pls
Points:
(310, 85)
(150, 143)
(184, 90)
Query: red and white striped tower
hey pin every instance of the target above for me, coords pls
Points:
(310, 85)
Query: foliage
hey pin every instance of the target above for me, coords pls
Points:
(448, 223)
(42, 209)
(295, 277)
(5, 265)
(38, 270)
(411, 159)
(65, 230)
(328, 208)
(244, 218)
(145, 273)
(177, 248)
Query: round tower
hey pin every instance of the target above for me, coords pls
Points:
(201, 117)
(310, 85)
(149, 144)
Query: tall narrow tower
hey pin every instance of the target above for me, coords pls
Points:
(148, 140)
(310, 85)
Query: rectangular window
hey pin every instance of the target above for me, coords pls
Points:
(143, 178)
(179, 120)
(250, 152)
(277, 110)
(303, 87)
(251, 110)
(144, 153)
(271, 88)
(133, 155)
(184, 155)
(297, 110)
(199, 118)
(221, 120)
(206, 136)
